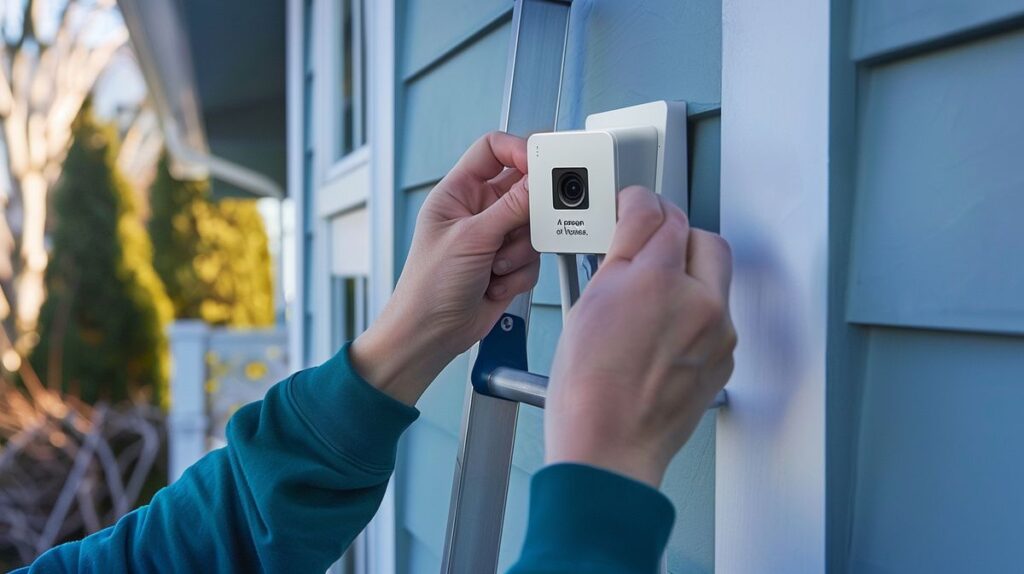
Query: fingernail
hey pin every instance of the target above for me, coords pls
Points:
(498, 290)
(502, 266)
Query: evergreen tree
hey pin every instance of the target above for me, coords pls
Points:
(102, 326)
(212, 256)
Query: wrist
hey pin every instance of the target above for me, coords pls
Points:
(632, 463)
(398, 357)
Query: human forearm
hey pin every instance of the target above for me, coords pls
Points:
(303, 472)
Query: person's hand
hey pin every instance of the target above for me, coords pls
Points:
(470, 255)
(647, 347)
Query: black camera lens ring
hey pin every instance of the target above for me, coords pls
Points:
(572, 189)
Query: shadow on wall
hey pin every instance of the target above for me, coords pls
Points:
(761, 278)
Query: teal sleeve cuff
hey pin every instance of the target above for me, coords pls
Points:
(353, 417)
(584, 519)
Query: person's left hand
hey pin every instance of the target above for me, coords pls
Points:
(470, 255)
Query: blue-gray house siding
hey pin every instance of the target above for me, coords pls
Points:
(451, 72)
(927, 345)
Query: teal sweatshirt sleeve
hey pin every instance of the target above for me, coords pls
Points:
(584, 520)
(304, 471)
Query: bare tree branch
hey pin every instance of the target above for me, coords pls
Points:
(50, 77)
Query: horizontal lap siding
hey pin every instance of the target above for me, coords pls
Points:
(432, 27)
(443, 106)
(451, 75)
(449, 108)
(940, 474)
(882, 27)
(933, 290)
(940, 192)
(620, 54)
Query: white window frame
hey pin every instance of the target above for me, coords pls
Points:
(342, 182)
(341, 185)
(381, 534)
(358, 554)
(770, 452)
(333, 164)
(295, 88)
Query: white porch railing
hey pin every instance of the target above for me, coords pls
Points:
(214, 371)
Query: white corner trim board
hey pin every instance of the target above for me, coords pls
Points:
(381, 544)
(294, 86)
(770, 457)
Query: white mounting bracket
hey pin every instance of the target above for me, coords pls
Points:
(669, 118)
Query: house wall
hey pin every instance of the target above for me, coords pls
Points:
(451, 70)
(927, 342)
(925, 349)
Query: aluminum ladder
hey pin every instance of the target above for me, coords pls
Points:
(499, 379)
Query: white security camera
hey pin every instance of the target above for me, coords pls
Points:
(574, 176)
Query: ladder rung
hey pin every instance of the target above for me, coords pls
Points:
(519, 386)
(531, 388)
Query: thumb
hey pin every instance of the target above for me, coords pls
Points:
(510, 212)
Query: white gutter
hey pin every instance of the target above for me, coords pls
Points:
(166, 63)
(217, 167)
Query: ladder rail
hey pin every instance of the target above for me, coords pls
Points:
(484, 460)
(499, 377)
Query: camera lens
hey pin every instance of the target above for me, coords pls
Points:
(572, 190)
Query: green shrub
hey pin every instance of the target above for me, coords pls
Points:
(212, 256)
(101, 328)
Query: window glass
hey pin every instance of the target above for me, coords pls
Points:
(363, 77)
(347, 89)
(349, 309)
(349, 317)
(351, 97)
(309, 85)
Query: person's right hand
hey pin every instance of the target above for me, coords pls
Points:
(647, 347)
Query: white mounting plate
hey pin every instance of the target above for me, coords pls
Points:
(669, 118)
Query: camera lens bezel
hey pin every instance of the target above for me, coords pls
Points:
(561, 179)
